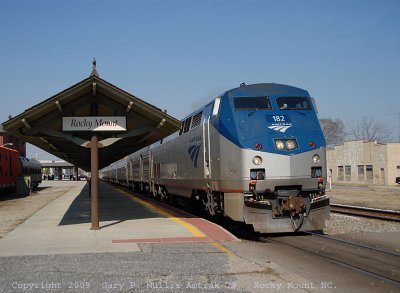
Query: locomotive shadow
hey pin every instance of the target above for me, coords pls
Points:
(12, 196)
(114, 206)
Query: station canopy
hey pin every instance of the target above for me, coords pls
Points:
(43, 125)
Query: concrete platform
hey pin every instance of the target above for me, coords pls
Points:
(149, 247)
(63, 226)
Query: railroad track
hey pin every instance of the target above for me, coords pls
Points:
(366, 212)
(382, 264)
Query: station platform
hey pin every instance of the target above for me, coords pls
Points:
(126, 219)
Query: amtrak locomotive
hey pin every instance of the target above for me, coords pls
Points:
(255, 154)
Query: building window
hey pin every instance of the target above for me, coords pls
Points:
(361, 172)
(347, 172)
(369, 172)
(340, 173)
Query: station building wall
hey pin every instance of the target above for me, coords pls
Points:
(364, 163)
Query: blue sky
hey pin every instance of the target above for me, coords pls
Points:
(177, 55)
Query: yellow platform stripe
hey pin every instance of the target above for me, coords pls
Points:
(222, 248)
(196, 232)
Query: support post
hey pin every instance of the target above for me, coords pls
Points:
(94, 181)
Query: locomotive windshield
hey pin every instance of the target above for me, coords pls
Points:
(252, 103)
(293, 103)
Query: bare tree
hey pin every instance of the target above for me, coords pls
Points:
(333, 129)
(368, 129)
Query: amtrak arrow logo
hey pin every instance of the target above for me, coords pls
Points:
(194, 153)
(280, 128)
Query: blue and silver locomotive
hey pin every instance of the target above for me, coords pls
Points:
(255, 154)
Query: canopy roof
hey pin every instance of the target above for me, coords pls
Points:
(41, 125)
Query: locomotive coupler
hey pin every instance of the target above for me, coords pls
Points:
(288, 202)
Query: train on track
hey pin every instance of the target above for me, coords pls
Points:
(255, 154)
(12, 166)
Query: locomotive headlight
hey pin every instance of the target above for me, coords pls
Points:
(257, 160)
(260, 174)
(290, 144)
(316, 158)
(279, 144)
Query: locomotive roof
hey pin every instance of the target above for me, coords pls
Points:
(266, 88)
(259, 89)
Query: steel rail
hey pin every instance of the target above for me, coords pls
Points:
(380, 214)
(345, 259)
(352, 243)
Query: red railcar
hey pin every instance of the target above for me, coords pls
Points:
(9, 170)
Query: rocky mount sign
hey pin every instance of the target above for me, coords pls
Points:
(94, 123)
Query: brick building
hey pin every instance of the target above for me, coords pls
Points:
(364, 163)
(17, 144)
